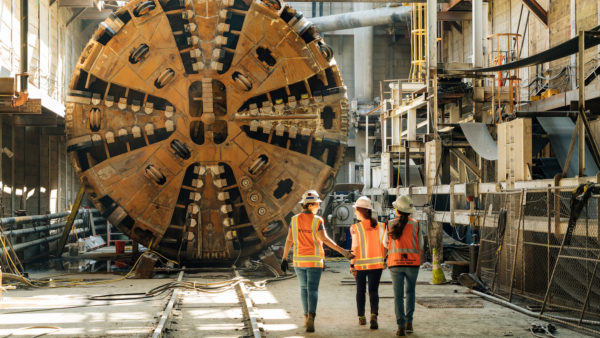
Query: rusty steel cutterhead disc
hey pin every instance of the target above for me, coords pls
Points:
(196, 125)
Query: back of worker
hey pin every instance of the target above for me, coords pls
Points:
(404, 245)
(308, 249)
(367, 246)
(307, 235)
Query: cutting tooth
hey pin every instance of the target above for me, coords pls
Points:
(193, 208)
(305, 131)
(226, 208)
(169, 111)
(96, 138)
(223, 195)
(96, 99)
(198, 183)
(136, 131)
(266, 126)
(293, 131)
(292, 101)
(109, 101)
(149, 128)
(279, 129)
(254, 125)
(122, 103)
(109, 136)
(169, 125)
(148, 107)
(195, 196)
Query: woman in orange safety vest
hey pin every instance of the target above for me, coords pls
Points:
(404, 245)
(307, 235)
(368, 264)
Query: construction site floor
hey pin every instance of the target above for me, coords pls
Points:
(67, 312)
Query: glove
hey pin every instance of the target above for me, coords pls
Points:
(353, 271)
(284, 265)
(347, 253)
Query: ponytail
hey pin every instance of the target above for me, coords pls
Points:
(367, 214)
(397, 226)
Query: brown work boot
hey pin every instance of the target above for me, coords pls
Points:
(374, 325)
(310, 322)
(400, 332)
(362, 320)
(409, 327)
(305, 320)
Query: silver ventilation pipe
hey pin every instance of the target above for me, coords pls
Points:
(371, 17)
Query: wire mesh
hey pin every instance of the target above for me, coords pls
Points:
(524, 261)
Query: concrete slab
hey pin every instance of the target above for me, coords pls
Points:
(336, 313)
(67, 312)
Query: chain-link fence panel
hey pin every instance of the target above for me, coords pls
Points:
(524, 254)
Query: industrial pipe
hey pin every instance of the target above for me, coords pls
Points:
(19, 232)
(24, 43)
(36, 218)
(531, 313)
(371, 17)
(24, 245)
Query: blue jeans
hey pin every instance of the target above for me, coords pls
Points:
(399, 273)
(309, 279)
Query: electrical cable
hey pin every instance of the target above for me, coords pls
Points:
(56, 329)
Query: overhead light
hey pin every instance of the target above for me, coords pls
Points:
(8, 152)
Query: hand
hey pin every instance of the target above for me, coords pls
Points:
(347, 253)
(353, 271)
(284, 265)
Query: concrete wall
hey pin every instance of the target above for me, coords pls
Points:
(38, 179)
(53, 47)
(43, 180)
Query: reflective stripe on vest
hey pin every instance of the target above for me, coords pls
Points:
(315, 259)
(403, 251)
(370, 252)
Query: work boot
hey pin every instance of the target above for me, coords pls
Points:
(374, 325)
(310, 322)
(362, 320)
(305, 320)
(400, 331)
(409, 327)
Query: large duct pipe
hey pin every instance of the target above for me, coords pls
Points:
(24, 44)
(363, 59)
(371, 17)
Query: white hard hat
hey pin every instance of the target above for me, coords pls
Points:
(363, 202)
(310, 196)
(404, 204)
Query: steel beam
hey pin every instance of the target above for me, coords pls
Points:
(454, 16)
(477, 33)
(466, 161)
(95, 15)
(537, 10)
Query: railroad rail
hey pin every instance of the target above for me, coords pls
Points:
(199, 299)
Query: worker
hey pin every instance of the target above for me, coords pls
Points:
(307, 235)
(367, 266)
(404, 244)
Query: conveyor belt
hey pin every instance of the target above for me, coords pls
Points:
(560, 130)
(480, 139)
(564, 49)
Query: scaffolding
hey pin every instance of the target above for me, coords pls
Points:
(418, 47)
(504, 48)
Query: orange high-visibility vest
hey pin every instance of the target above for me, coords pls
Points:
(370, 251)
(406, 250)
(308, 249)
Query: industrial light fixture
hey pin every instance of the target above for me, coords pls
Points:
(8, 152)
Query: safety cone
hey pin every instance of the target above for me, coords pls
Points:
(437, 272)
